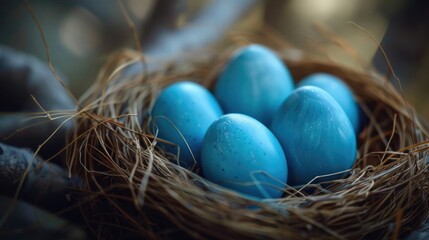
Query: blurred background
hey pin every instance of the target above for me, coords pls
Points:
(82, 33)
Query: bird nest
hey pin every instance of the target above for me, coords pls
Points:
(135, 189)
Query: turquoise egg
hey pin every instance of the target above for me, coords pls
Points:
(316, 135)
(254, 82)
(182, 114)
(339, 91)
(240, 153)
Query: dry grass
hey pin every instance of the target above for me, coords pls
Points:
(135, 189)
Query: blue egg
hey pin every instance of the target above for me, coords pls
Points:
(182, 114)
(240, 153)
(316, 135)
(254, 82)
(339, 91)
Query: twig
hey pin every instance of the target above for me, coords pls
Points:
(40, 106)
(391, 72)
(131, 25)
(48, 53)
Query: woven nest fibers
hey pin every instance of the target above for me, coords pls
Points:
(134, 189)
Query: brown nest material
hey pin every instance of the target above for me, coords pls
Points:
(136, 190)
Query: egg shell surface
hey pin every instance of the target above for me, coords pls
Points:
(316, 135)
(240, 153)
(182, 114)
(254, 82)
(338, 90)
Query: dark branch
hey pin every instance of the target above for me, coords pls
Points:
(164, 16)
(165, 42)
(46, 185)
(28, 222)
(208, 26)
(21, 76)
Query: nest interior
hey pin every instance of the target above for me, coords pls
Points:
(133, 188)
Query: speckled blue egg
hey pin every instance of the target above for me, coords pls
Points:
(316, 135)
(240, 153)
(254, 82)
(339, 91)
(182, 114)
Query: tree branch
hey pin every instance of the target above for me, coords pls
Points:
(163, 16)
(208, 26)
(21, 77)
(164, 42)
(46, 185)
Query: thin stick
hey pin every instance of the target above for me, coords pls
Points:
(48, 52)
(398, 220)
(131, 25)
(389, 65)
(40, 106)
